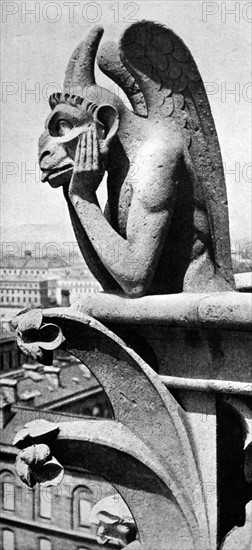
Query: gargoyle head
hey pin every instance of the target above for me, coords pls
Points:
(81, 105)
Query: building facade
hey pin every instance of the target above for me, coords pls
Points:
(22, 292)
(11, 357)
(47, 518)
(31, 266)
(23, 280)
(78, 287)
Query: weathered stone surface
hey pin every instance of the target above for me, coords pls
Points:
(153, 465)
(113, 521)
(223, 310)
(34, 338)
(165, 226)
(34, 462)
(167, 457)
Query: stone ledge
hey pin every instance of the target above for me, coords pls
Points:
(210, 386)
(225, 310)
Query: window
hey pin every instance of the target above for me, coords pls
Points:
(45, 544)
(8, 540)
(84, 512)
(82, 505)
(45, 502)
(8, 496)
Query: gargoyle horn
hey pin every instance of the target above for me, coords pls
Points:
(80, 69)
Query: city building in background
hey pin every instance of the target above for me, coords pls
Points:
(22, 292)
(31, 266)
(38, 282)
(79, 283)
(84, 512)
(66, 386)
(55, 518)
(45, 518)
(11, 358)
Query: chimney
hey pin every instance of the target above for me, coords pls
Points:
(9, 389)
(29, 397)
(65, 297)
(28, 254)
(31, 371)
(6, 413)
(52, 375)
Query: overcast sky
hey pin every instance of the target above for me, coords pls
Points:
(35, 54)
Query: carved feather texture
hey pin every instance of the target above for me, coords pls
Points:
(165, 70)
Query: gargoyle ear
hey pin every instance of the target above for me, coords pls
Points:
(107, 118)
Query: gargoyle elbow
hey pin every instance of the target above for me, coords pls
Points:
(135, 289)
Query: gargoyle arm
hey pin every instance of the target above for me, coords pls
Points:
(133, 260)
(89, 254)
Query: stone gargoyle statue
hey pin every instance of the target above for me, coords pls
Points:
(165, 226)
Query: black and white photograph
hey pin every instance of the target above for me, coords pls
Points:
(126, 275)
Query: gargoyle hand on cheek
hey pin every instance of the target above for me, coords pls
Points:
(88, 168)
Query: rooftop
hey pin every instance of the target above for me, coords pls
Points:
(42, 385)
(28, 261)
(6, 332)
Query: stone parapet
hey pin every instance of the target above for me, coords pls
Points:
(216, 310)
(168, 448)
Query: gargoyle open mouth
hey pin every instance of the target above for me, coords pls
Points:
(58, 176)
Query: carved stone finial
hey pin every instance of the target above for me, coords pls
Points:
(35, 463)
(35, 338)
(114, 523)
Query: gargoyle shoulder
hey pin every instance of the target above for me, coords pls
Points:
(157, 161)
